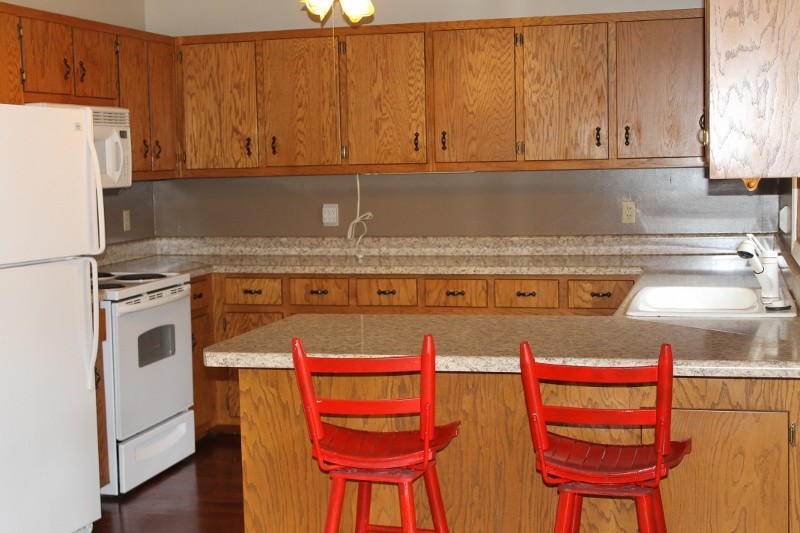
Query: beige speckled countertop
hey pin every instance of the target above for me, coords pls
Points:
(711, 348)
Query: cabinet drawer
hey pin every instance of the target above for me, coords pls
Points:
(597, 293)
(385, 291)
(539, 293)
(257, 291)
(319, 291)
(201, 293)
(456, 292)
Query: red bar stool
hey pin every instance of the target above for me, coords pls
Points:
(580, 468)
(367, 457)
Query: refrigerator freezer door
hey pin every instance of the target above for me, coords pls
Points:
(50, 197)
(49, 473)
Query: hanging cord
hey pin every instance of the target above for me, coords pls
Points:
(360, 219)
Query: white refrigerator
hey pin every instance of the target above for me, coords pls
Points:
(51, 223)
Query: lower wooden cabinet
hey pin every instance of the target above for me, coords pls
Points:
(597, 294)
(456, 292)
(319, 291)
(526, 293)
(204, 378)
(386, 291)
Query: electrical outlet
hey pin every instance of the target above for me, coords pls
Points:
(628, 212)
(330, 215)
(126, 220)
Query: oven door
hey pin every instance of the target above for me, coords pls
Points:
(152, 359)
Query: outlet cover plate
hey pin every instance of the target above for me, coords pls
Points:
(330, 215)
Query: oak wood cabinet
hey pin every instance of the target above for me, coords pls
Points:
(754, 82)
(456, 292)
(219, 105)
(386, 292)
(526, 293)
(10, 61)
(253, 291)
(62, 60)
(319, 291)
(660, 88)
(203, 377)
(384, 107)
(597, 293)
(298, 97)
(147, 90)
(474, 95)
(566, 92)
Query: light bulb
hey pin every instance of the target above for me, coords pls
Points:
(356, 9)
(318, 7)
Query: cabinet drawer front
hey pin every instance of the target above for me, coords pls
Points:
(258, 291)
(386, 291)
(541, 293)
(598, 294)
(319, 291)
(201, 293)
(456, 292)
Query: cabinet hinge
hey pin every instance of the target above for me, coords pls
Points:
(520, 148)
(342, 48)
(184, 158)
(345, 152)
(116, 47)
(793, 434)
(178, 57)
(19, 30)
(519, 39)
(22, 77)
(224, 324)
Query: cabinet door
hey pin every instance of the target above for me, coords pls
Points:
(597, 293)
(456, 292)
(300, 104)
(204, 378)
(47, 57)
(95, 63)
(754, 82)
(386, 98)
(660, 80)
(386, 291)
(474, 95)
(319, 291)
(566, 92)
(163, 118)
(133, 96)
(526, 293)
(219, 99)
(10, 61)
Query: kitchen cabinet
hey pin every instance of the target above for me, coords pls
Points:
(385, 98)
(660, 88)
(754, 82)
(204, 379)
(253, 291)
(10, 61)
(69, 61)
(597, 293)
(456, 292)
(526, 293)
(299, 104)
(100, 404)
(133, 95)
(474, 95)
(219, 105)
(319, 291)
(386, 292)
(566, 92)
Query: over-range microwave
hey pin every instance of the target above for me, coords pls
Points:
(112, 140)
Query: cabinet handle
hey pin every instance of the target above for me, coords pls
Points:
(274, 145)
(318, 292)
(600, 294)
(157, 151)
(455, 293)
(194, 342)
(389, 292)
(703, 121)
(251, 291)
(597, 137)
(416, 141)
(97, 378)
(627, 135)
(197, 296)
(444, 140)
(526, 294)
(145, 149)
(248, 146)
(67, 70)
(83, 71)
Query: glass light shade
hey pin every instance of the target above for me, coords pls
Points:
(318, 7)
(356, 9)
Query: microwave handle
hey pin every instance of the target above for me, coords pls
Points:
(119, 153)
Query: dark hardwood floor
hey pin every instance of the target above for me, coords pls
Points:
(202, 494)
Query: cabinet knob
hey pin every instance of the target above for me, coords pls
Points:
(416, 141)
(198, 295)
(274, 145)
(627, 135)
(318, 292)
(157, 150)
(67, 70)
(600, 294)
(526, 294)
(145, 149)
(444, 140)
(83, 71)
(389, 292)
(455, 293)
(248, 146)
(251, 291)
(597, 137)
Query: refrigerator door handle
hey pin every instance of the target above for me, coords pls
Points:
(98, 191)
(90, 371)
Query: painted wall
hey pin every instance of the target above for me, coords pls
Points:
(197, 17)
(128, 13)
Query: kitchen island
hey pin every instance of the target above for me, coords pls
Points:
(736, 394)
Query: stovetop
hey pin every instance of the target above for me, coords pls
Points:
(116, 286)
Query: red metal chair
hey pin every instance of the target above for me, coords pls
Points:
(394, 457)
(580, 468)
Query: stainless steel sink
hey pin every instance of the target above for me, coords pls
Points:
(706, 302)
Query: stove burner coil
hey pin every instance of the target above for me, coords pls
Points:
(140, 277)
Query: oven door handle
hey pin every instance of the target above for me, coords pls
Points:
(150, 300)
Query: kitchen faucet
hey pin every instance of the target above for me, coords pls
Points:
(765, 264)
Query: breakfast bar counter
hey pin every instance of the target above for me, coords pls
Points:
(736, 394)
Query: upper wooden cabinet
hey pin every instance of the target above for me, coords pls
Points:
(474, 95)
(10, 61)
(298, 96)
(660, 88)
(219, 105)
(566, 92)
(62, 60)
(385, 98)
(147, 90)
(754, 83)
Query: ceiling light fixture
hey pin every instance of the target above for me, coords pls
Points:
(353, 9)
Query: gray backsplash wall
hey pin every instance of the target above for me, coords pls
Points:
(586, 202)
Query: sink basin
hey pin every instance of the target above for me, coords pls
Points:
(706, 302)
